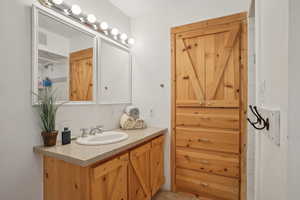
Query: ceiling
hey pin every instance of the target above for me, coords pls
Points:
(138, 8)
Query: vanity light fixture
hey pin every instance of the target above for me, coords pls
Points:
(123, 37)
(57, 2)
(66, 11)
(103, 26)
(131, 41)
(91, 18)
(114, 32)
(76, 10)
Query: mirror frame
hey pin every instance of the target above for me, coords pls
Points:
(36, 10)
(100, 101)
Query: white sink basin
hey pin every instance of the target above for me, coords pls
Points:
(103, 138)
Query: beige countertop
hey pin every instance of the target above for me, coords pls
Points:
(83, 155)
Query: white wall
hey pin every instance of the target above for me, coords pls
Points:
(152, 54)
(294, 99)
(272, 69)
(21, 174)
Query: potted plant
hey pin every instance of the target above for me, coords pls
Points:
(47, 107)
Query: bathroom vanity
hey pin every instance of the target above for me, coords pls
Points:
(132, 169)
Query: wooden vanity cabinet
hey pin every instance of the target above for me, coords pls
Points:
(134, 175)
(109, 180)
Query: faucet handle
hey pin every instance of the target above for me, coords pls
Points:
(99, 126)
(84, 132)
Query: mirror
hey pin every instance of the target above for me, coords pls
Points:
(115, 74)
(65, 59)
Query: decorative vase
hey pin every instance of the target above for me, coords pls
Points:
(50, 138)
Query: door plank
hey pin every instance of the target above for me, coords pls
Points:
(190, 69)
(224, 59)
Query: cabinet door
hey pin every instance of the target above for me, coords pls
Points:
(157, 164)
(81, 75)
(139, 173)
(208, 67)
(109, 180)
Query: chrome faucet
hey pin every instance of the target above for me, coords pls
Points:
(84, 132)
(96, 130)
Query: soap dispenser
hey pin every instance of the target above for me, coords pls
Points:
(66, 136)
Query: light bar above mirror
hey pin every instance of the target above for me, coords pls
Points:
(89, 20)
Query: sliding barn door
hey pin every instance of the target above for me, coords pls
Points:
(209, 107)
(207, 67)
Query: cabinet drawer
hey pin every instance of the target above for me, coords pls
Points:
(208, 139)
(210, 162)
(207, 185)
(220, 118)
(109, 166)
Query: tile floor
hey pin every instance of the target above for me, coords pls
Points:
(173, 196)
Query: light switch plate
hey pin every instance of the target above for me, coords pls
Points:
(274, 119)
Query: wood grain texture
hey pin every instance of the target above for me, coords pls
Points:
(173, 111)
(208, 139)
(134, 175)
(210, 162)
(244, 108)
(157, 164)
(139, 173)
(210, 23)
(81, 75)
(109, 179)
(208, 118)
(209, 130)
(65, 181)
(207, 185)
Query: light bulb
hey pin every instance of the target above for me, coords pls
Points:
(57, 2)
(114, 31)
(123, 36)
(131, 41)
(91, 18)
(76, 10)
(104, 26)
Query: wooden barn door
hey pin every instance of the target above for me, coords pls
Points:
(81, 75)
(207, 67)
(209, 108)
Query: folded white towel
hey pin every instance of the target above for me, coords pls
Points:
(132, 111)
(127, 122)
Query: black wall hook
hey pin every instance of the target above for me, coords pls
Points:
(263, 123)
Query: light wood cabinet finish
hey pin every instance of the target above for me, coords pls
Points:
(139, 173)
(210, 162)
(81, 75)
(109, 180)
(208, 139)
(207, 185)
(133, 175)
(209, 107)
(157, 164)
